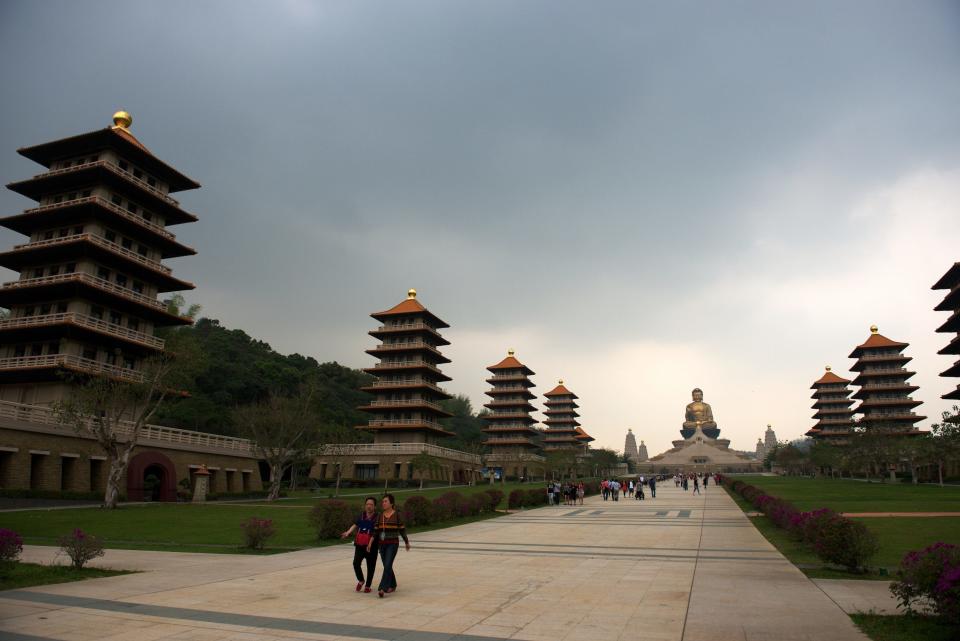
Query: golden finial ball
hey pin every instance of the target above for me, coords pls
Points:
(874, 329)
(411, 293)
(510, 352)
(560, 381)
(122, 119)
(829, 368)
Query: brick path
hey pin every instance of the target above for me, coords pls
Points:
(680, 567)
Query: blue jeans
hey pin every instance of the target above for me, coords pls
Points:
(388, 552)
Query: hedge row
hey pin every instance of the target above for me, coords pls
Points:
(50, 494)
(330, 517)
(832, 537)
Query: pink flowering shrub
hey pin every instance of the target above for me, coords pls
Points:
(80, 547)
(256, 532)
(11, 545)
(417, 510)
(931, 577)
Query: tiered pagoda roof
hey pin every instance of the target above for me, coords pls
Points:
(884, 392)
(832, 403)
(561, 421)
(407, 392)
(509, 424)
(86, 299)
(951, 303)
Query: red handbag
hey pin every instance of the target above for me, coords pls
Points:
(363, 538)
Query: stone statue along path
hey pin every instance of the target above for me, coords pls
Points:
(682, 567)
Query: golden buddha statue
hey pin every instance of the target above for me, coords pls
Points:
(699, 414)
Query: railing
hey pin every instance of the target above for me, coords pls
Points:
(73, 362)
(399, 449)
(501, 377)
(390, 422)
(85, 321)
(884, 357)
(406, 328)
(411, 363)
(413, 402)
(45, 416)
(103, 202)
(393, 347)
(102, 242)
(871, 386)
(507, 457)
(94, 281)
(109, 166)
(407, 382)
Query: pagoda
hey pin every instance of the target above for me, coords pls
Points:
(630, 451)
(584, 440)
(86, 298)
(951, 303)
(510, 433)
(561, 421)
(884, 392)
(832, 405)
(406, 405)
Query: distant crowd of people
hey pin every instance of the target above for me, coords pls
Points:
(611, 489)
(571, 493)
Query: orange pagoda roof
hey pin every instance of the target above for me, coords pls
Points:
(827, 378)
(409, 306)
(583, 436)
(876, 340)
(511, 362)
(561, 390)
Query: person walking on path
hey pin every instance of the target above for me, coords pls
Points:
(638, 493)
(363, 526)
(706, 477)
(580, 492)
(605, 489)
(549, 493)
(388, 529)
(696, 484)
(686, 483)
(653, 487)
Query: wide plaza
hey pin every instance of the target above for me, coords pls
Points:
(682, 566)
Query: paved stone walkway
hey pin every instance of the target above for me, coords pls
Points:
(678, 567)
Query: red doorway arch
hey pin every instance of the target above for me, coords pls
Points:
(161, 466)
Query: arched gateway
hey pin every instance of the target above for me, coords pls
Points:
(151, 476)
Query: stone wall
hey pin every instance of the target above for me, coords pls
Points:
(38, 458)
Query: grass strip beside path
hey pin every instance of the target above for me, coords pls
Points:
(25, 575)
(904, 628)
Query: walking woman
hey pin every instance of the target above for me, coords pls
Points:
(363, 541)
(388, 529)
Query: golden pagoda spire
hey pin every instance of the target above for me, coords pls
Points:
(122, 120)
(411, 293)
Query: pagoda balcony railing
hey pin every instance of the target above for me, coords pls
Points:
(407, 382)
(109, 166)
(501, 414)
(41, 415)
(399, 422)
(510, 426)
(90, 322)
(102, 242)
(870, 386)
(410, 363)
(398, 449)
(900, 400)
(873, 414)
(406, 328)
(866, 358)
(391, 347)
(507, 428)
(406, 402)
(71, 361)
(501, 377)
(509, 457)
(508, 388)
(89, 279)
(519, 401)
(103, 202)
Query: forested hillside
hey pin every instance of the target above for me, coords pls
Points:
(236, 369)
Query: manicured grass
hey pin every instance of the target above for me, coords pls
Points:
(213, 527)
(897, 535)
(859, 496)
(24, 575)
(905, 628)
(306, 497)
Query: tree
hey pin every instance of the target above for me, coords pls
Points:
(603, 461)
(945, 440)
(424, 463)
(826, 456)
(873, 451)
(283, 429)
(115, 411)
(560, 462)
(337, 442)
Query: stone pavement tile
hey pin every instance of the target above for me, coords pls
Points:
(860, 596)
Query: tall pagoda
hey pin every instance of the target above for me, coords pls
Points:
(561, 421)
(584, 440)
(406, 407)
(832, 404)
(510, 432)
(884, 392)
(86, 298)
(951, 303)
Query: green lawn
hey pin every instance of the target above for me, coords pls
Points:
(859, 496)
(897, 535)
(904, 628)
(24, 575)
(306, 497)
(213, 527)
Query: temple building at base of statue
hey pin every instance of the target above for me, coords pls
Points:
(700, 449)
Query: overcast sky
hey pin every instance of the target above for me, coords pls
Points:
(638, 197)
